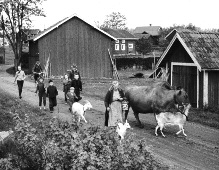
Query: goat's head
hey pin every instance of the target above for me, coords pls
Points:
(87, 105)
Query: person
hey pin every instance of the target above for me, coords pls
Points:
(71, 97)
(41, 93)
(37, 69)
(20, 76)
(113, 103)
(77, 84)
(74, 71)
(52, 92)
(66, 86)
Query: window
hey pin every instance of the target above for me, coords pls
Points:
(116, 47)
(123, 41)
(123, 47)
(117, 41)
(130, 46)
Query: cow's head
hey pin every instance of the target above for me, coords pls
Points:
(181, 97)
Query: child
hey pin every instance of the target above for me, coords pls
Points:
(20, 76)
(66, 86)
(77, 84)
(52, 92)
(71, 97)
(41, 93)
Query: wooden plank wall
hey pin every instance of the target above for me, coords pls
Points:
(213, 88)
(79, 43)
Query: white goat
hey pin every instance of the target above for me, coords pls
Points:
(168, 118)
(5, 134)
(121, 129)
(80, 109)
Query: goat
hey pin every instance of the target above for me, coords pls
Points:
(168, 118)
(80, 109)
(121, 129)
(5, 134)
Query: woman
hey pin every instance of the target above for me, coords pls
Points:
(20, 76)
(113, 103)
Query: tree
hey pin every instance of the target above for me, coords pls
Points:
(15, 17)
(115, 21)
(143, 46)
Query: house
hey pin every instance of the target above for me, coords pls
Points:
(192, 61)
(73, 40)
(152, 32)
(125, 43)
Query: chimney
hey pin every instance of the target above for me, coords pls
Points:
(150, 25)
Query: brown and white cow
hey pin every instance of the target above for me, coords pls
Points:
(155, 98)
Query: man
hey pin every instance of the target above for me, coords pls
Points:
(37, 69)
(77, 84)
(74, 71)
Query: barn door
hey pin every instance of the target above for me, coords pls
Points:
(186, 77)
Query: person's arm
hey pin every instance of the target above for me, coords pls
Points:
(15, 77)
(80, 85)
(107, 99)
(47, 92)
(24, 75)
(37, 88)
(56, 92)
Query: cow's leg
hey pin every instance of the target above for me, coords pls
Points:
(126, 113)
(137, 118)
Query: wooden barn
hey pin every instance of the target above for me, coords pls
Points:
(73, 40)
(192, 61)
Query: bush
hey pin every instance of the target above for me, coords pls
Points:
(64, 145)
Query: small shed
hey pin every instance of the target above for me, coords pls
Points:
(73, 40)
(192, 61)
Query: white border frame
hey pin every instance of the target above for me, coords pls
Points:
(189, 65)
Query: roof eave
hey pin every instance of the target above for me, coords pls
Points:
(176, 36)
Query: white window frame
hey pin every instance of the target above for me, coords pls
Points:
(123, 47)
(132, 45)
(123, 41)
(117, 47)
(117, 41)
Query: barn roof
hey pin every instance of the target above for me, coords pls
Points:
(56, 25)
(152, 30)
(203, 47)
(120, 34)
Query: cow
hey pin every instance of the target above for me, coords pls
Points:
(154, 98)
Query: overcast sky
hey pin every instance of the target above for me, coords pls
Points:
(164, 13)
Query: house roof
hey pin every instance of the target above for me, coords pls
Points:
(142, 36)
(120, 34)
(56, 25)
(31, 31)
(152, 30)
(203, 47)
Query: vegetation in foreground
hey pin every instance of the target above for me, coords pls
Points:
(60, 145)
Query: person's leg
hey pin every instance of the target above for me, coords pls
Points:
(44, 101)
(50, 105)
(40, 101)
(20, 86)
(106, 118)
(65, 96)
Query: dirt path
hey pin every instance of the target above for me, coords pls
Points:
(200, 150)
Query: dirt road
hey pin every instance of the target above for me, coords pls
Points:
(199, 150)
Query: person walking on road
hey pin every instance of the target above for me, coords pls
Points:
(20, 76)
(41, 93)
(52, 92)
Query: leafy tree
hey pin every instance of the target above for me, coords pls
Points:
(16, 16)
(115, 21)
(143, 46)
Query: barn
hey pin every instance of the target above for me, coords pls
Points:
(192, 61)
(73, 40)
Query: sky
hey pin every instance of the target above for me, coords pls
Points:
(164, 13)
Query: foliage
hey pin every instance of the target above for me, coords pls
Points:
(65, 145)
(16, 16)
(143, 46)
(115, 21)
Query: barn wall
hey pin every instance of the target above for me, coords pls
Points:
(79, 43)
(213, 88)
(201, 89)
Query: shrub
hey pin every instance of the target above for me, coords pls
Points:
(64, 145)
